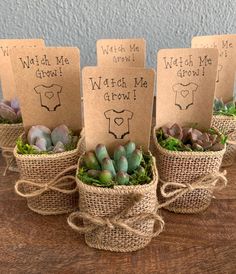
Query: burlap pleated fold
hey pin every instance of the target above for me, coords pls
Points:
(189, 176)
(48, 181)
(8, 137)
(227, 125)
(121, 219)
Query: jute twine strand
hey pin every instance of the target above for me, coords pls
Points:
(55, 184)
(7, 153)
(214, 181)
(120, 220)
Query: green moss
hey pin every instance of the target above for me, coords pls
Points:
(24, 148)
(135, 178)
(221, 108)
(174, 144)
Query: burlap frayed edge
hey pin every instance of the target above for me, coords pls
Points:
(9, 126)
(49, 156)
(118, 189)
(225, 117)
(118, 250)
(185, 154)
(56, 212)
(177, 211)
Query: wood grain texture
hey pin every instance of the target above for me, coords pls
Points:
(201, 243)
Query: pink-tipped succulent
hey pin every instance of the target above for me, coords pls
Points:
(189, 139)
(10, 112)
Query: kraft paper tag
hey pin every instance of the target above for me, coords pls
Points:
(7, 78)
(48, 86)
(226, 44)
(121, 52)
(185, 86)
(234, 92)
(117, 105)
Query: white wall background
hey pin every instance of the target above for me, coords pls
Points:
(163, 23)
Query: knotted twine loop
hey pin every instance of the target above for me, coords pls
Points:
(7, 153)
(55, 184)
(213, 181)
(96, 224)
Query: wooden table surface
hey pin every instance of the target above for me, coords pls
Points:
(200, 243)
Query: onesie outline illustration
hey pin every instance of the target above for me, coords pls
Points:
(184, 94)
(49, 96)
(119, 122)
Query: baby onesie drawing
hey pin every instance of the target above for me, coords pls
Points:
(118, 122)
(219, 68)
(184, 96)
(49, 96)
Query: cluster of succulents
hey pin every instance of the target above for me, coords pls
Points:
(221, 108)
(177, 138)
(128, 166)
(10, 112)
(42, 140)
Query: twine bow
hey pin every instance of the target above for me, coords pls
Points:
(214, 181)
(7, 153)
(55, 184)
(96, 224)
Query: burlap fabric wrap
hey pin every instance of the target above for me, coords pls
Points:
(8, 136)
(48, 181)
(120, 219)
(188, 178)
(227, 125)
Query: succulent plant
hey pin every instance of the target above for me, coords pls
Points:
(101, 153)
(179, 138)
(119, 151)
(10, 112)
(221, 108)
(39, 132)
(41, 143)
(60, 134)
(134, 160)
(125, 167)
(42, 140)
(105, 176)
(91, 161)
(59, 147)
(122, 164)
(107, 164)
(122, 178)
(129, 148)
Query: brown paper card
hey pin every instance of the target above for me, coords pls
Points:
(185, 86)
(48, 86)
(121, 52)
(117, 105)
(226, 44)
(7, 78)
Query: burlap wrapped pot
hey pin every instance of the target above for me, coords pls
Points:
(48, 181)
(227, 125)
(120, 219)
(8, 137)
(187, 179)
